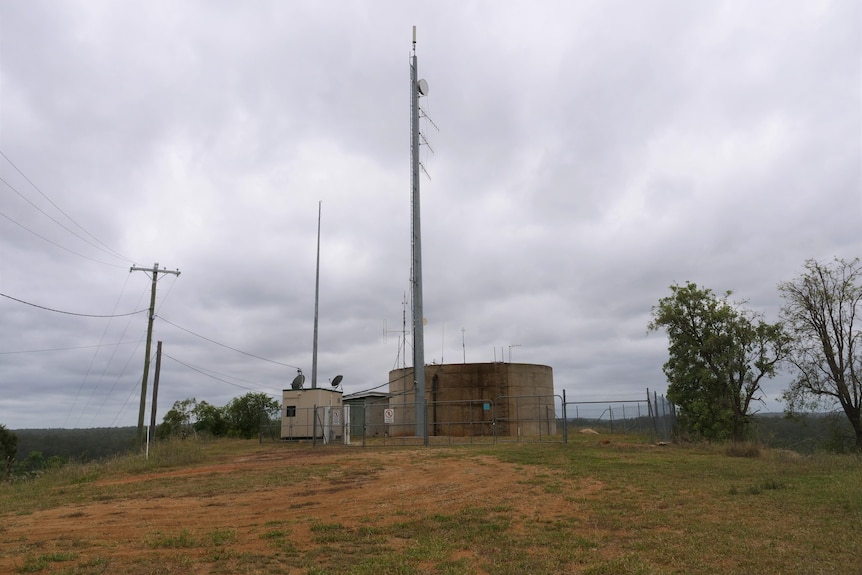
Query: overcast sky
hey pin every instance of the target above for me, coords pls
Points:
(588, 156)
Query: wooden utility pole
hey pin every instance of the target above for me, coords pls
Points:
(152, 433)
(152, 312)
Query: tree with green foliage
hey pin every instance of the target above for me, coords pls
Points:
(178, 421)
(210, 419)
(823, 310)
(241, 417)
(719, 353)
(8, 451)
(244, 414)
(36, 462)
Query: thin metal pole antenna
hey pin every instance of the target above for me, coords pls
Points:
(510, 350)
(316, 296)
(152, 314)
(418, 328)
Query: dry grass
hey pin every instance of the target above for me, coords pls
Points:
(743, 449)
(593, 507)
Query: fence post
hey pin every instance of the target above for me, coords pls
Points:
(565, 420)
(260, 426)
(364, 420)
(314, 426)
(652, 416)
(425, 434)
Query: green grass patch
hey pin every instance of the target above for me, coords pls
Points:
(218, 537)
(36, 563)
(182, 539)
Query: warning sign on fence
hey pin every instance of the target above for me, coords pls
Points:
(388, 415)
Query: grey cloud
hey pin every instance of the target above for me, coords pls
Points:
(588, 156)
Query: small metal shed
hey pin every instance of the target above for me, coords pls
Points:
(310, 413)
(366, 412)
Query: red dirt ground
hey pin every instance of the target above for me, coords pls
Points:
(366, 486)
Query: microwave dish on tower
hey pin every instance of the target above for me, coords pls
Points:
(422, 86)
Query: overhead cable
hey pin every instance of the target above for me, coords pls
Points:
(100, 345)
(70, 312)
(104, 247)
(226, 346)
(200, 371)
(62, 247)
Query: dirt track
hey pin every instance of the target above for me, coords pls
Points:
(351, 488)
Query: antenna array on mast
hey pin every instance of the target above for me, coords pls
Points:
(417, 88)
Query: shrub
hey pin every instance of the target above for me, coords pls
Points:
(743, 449)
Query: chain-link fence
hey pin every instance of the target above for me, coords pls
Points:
(485, 421)
(482, 421)
(323, 424)
(505, 419)
(653, 417)
(531, 418)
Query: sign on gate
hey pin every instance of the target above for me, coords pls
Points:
(388, 415)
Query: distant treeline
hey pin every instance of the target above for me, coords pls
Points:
(805, 433)
(75, 444)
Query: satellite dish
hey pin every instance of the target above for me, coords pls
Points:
(336, 381)
(297, 382)
(422, 85)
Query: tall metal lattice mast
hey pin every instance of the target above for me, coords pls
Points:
(417, 89)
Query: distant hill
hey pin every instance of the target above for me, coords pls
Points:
(77, 444)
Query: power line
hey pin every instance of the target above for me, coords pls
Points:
(117, 379)
(122, 409)
(227, 346)
(104, 247)
(113, 354)
(200, 371)
(70, 312)
(62, 247)
(93, 360)
(404, 376)
(100, 345)
(44, 213)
